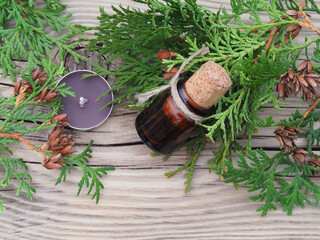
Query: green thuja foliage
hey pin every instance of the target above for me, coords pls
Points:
(88, 173)
(261, 173)
(255, 52)
(18, 122)
(194, 147)
(29, 30)
(278, 179)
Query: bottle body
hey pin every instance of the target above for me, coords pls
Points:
(163, 126)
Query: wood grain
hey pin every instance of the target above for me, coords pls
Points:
(138, 202)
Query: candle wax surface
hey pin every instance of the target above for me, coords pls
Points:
(89, 88)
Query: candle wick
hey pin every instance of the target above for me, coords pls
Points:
(82, 102)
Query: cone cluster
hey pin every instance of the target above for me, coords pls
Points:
(303, 82)
(59, 143)
(40, 77)
(167, 54)
(286, 137)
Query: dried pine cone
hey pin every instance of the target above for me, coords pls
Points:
(292, 13)
(22, 84)
(62, 120)
(59, 143)
(293, 30)
(54, 162)
(300, 156)
(286, 85)
(170, 74)
(47, 96)
(39, 75)
(305, 67)
(304, 82)
(286, 137)
(308, 84)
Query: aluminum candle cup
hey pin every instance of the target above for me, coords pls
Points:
(83, 110)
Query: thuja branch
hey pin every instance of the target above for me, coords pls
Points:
(29, 39)
(90, 176)
(26, 142)
(194, 146)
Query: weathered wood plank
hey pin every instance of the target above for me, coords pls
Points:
(133, 208)
(138, 202)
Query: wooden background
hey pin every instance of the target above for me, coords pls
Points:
(138, 202)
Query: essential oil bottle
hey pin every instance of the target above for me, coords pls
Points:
(163, 126)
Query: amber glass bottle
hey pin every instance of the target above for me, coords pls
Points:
(163, 126)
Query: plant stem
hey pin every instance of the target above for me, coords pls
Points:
(310, 108)
(307, 23)
(26, 142)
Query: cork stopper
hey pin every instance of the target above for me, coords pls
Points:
(207, 85)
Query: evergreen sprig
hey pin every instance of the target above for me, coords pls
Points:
(24, 34)
(194, 147)
(13, 121)
(16, 169)
(289, 187)
(255, 53)
(90, 176)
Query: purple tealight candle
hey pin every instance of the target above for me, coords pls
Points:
(83, 110)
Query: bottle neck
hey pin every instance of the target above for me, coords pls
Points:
(192, 106)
